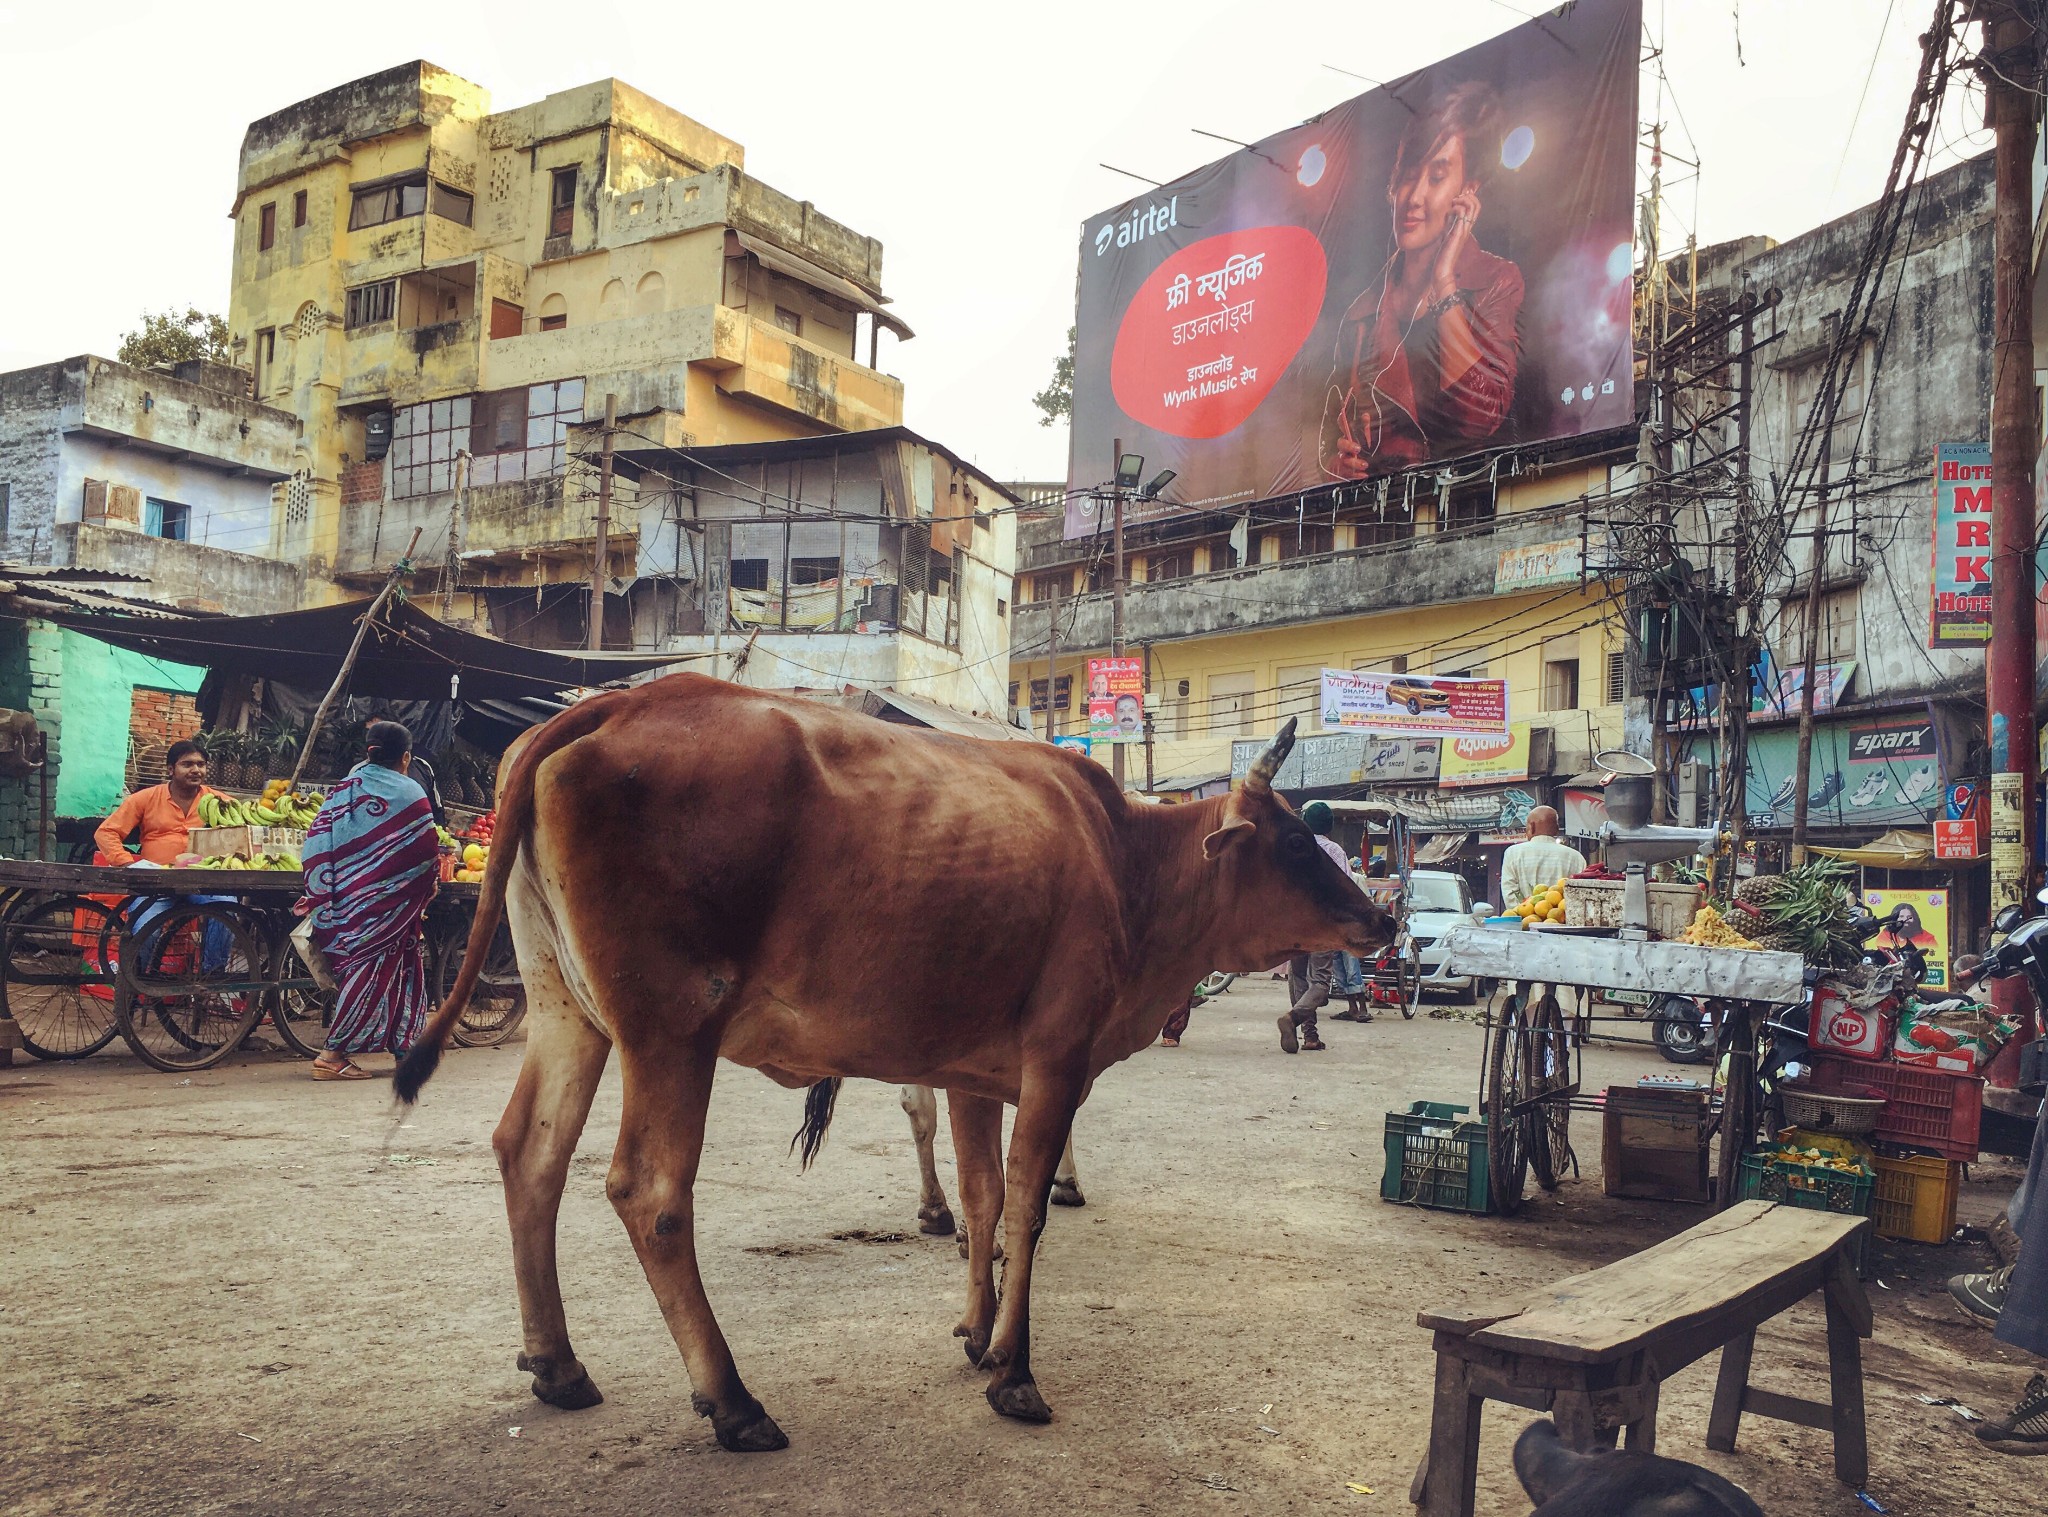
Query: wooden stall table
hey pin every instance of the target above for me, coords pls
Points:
(1593, 1349)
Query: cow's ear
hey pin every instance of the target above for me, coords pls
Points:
(1236, 830)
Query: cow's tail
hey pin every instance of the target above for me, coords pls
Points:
(515, 823)
(810, 1137)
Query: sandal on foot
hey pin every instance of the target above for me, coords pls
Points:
(1310, 1043)
(347, 1070)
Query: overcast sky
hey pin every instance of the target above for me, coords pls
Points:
(966, 138)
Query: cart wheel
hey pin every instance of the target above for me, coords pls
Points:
(1548, 1124)
(1408, 982)
(1507, 1153)
(56, 983)
(498, 1004)
(300, 1013)
(193, 985)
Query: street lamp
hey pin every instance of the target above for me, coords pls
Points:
(1160, 481)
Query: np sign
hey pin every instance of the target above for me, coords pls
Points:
(1962, 545)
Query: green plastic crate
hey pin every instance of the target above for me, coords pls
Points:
(1434, 1158)
(1814, 1187)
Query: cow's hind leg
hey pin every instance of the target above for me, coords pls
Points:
(978, 1152)
(534, 1141)
(1066, 1184)
(651, 1184)
(1045, 1118)
(921, 1105)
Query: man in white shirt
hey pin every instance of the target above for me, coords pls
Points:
(1537, 863)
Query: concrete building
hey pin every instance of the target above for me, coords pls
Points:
(876, 559)
(445, 294)
(165, 474)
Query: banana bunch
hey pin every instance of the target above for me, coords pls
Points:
(255, 861)
(277, 807)
(1708, 930)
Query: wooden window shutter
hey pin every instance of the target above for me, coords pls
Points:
(124, 505)
(95, 507)
(917, 556)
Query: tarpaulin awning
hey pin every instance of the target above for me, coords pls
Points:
(915, 711)
(407, 656)
(1442, 848)
(1893, 850)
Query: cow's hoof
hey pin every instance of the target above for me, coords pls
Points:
(974, 1341)
(1068, 1193)
(573, 1395)
(960, 1237)
(747, 1430)
(937, 1222)
(1019, 1399)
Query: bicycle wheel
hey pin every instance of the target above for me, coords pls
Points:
(1408, 983)
(1507, 1153)
(56, 983)
(299, 1011)
(498, 1003)
(193, 985)
(1547, 1123)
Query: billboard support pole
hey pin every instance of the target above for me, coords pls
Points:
(1802, 770)
(1116, 587)
(1052, 668)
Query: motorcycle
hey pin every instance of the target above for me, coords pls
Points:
(2023, 951)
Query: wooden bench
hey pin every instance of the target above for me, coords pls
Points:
(1591, 1350)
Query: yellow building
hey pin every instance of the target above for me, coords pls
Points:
(446, 294)
(1485, 582)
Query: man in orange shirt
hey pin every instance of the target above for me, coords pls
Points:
(163, 813)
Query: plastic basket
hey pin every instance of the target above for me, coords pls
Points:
(1924, 1108)
(1814, 1187)
(1915, 1198)
(1435, 1157)
(1818, 1111)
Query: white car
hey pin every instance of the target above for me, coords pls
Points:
(1436, 901)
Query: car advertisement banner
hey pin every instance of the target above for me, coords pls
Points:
(1962, 545)
(1485, 760)
(1116, 700)
(1414, 702)
(1925, 922)
(1435, 268)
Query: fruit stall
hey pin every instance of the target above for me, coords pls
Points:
(183, 963)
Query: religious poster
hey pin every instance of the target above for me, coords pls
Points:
(1436, 268)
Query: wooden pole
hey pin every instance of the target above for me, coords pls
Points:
(1802, 768)
(348, 662)
(1052, 668)
(1116, 593)
(600, 567)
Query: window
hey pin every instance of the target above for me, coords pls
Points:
(1002, 608)
(1617, 678)
(749, 574)
(1230, 703)
(790, 321)
(1063, 692)
(167, 518)
(1803, 388)
(394, 200)
(1040, 588)
(562, 203)
(554, 321)
(1170, 724)
(266, 227)
(1455, 670)
(1560, 684)
(1307, 539)
(299, 209)
(1839, 612)
(1301, 690)
(498, 422)
(454, 205)
(1178, 564)
(1469, 506)
(263, 354)
(1101, 573)
(507, 319)
(813, 571)
(424, 442)
(369, 304)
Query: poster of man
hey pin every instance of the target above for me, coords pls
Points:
(1116, 700)
(1433, 269)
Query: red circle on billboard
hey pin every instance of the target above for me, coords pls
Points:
(1210, 331)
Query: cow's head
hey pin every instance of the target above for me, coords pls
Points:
(1282, 893)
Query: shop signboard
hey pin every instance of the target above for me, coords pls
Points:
(1536, 566)
(1962, 545)
(1870, 775)
(1326, 760)
(1275, 321)
(1414, 702)
(1485, 760)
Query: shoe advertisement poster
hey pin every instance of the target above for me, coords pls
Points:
(1925, 914)
(1873, 774)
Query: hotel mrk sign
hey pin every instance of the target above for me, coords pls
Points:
(1962, 545)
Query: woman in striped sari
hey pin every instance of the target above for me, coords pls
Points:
(372, 864)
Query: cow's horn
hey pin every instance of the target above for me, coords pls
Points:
(1267, 766)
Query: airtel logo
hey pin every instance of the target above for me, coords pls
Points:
(1482, 747)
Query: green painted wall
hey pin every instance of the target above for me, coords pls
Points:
(98, 691)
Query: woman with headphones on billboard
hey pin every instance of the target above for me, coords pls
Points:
(1426, 364)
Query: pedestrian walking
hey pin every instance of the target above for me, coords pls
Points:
(372, 862)
(2013, 1302)
(1311, 976)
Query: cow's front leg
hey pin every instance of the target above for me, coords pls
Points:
(1045, 1117)
(978, 1153)
(921, 1105)
(652, 1182)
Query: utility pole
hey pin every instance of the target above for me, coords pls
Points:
(1802, 769)
(600, 561)
(1735, 699)
(1052, 667)
(1116, 587)
(2010, 82)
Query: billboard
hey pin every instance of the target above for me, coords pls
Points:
(1489, 760)
(1116, 700)
(1437, 267)
(1413, 702)
(1962, 545)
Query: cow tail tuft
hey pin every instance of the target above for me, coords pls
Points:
(810, 1137)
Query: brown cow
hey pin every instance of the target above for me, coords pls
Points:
(693, 870)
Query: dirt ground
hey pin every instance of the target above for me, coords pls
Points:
(241, 1292)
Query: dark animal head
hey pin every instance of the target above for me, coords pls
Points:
(1283, 894)
(1615, 1483)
